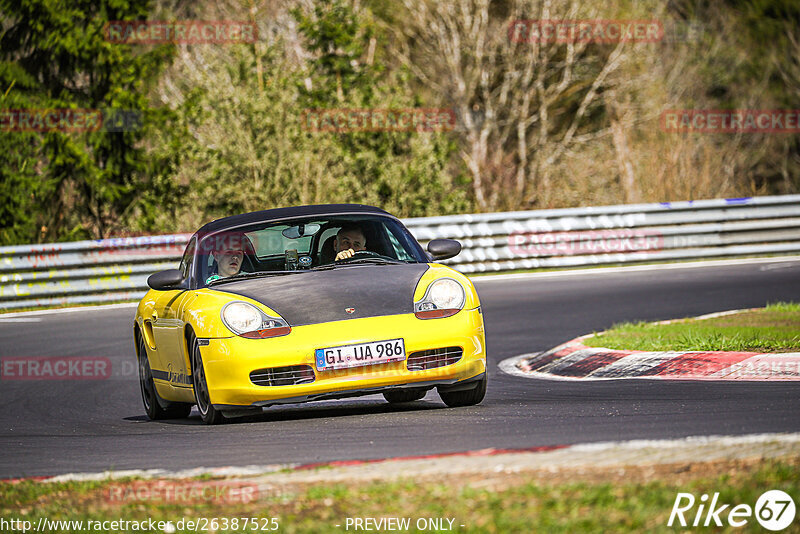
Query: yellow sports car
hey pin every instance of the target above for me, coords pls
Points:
(307, 303)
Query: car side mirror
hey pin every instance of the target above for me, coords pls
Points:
(441, 249)
(169, 279)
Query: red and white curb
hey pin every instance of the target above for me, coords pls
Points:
(693, 449)
(575, 361)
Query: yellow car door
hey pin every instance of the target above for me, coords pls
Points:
(172, 369)
(166, 328)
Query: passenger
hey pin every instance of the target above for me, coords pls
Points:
(228, 251)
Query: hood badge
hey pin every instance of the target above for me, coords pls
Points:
(350, 310)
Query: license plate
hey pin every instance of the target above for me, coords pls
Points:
(391, 350)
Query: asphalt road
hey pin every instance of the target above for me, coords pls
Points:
(55, 427)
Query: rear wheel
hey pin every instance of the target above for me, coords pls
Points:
(466, 397)
(154, 406)
(209, 414)
(404, 395)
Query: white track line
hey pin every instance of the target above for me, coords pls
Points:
(691, 441)
(632, 268)
(707, 316)
(100, 307)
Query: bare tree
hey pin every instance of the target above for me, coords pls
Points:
(789, 67)
(533, 99)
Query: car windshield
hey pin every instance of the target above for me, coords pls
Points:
(302, 245)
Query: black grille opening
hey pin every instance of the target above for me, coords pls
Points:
(433, 358)
(290, 375)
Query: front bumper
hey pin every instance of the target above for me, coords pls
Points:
(229, 361)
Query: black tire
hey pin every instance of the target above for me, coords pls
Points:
(467, 397)
(209, 414)
(156, 407)
(397, 396)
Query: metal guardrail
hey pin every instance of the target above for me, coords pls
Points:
(117, 269)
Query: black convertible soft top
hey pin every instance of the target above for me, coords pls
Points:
(287, 213)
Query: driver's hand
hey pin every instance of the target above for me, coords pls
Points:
(343, 255)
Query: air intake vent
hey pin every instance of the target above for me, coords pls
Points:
(433, 358)
(291, 375)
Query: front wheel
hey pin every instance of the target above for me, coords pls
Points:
(467, 397)
(152, 402)
(209, 414)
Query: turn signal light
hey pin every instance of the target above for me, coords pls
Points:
(268, 332)
(436, 314)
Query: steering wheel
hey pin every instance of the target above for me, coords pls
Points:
(362, 254)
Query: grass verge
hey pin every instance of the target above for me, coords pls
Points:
(775, 328)
(622, 500)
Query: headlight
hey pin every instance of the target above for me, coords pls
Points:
(246, 320)
(444, 297)
(241, 317)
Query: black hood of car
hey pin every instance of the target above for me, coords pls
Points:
(312, 297)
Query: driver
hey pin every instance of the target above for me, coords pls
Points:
(349, 240)
(228, 252)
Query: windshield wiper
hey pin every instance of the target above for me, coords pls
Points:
(245, 276)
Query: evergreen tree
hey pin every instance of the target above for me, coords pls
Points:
(66, 185)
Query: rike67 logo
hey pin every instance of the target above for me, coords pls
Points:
(774, 510)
